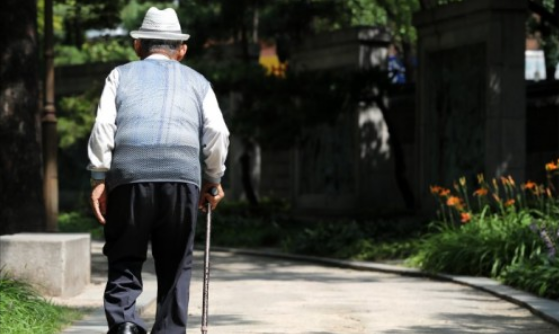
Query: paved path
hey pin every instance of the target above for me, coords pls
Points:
(263, 295)
(269, 296)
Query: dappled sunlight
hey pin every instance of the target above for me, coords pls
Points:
(374, 144)
(495, 84)
(251, 294)
(476, 322)
(503, 167)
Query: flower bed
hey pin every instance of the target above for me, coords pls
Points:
(499, 230)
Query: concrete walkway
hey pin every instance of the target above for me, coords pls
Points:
(265, 295)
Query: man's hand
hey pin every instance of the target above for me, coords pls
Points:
(99, 201)
(206, 197)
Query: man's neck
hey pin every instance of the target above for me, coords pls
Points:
(159, 55)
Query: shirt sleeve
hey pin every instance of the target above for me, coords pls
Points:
(102, 139)
(215, 139)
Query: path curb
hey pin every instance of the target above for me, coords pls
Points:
(543, 308)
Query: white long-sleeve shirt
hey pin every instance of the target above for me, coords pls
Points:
(215, 138)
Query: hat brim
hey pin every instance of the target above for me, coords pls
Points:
(167, 36)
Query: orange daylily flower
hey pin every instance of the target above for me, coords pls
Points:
(551, 166)
(444, 192)
(453, 201)
(435, 190)
(480, 192)
(529, 185)
(505, 181)
(510, 202)
(465, 217)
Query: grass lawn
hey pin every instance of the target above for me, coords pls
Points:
(22, 310)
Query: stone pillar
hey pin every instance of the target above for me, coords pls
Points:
(471, 92)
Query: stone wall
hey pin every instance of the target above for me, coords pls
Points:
(354, 166)
(358, 47)
(471, 112)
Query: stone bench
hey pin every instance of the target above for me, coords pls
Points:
(56, 264)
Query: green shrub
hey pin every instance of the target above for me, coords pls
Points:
(371, 250)
(538, 275)
(382, 239)
(236, 231)
(333, 239)
(483, 247)
(76, 221)
(238, 224)
(22, 310)
(269, 225)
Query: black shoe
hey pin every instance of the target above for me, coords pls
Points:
(127, 328)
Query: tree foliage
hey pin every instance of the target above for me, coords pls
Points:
(292, 19)
(76, 117)
(81, 15)
(95, 52)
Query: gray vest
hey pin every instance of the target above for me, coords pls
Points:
(159, 122)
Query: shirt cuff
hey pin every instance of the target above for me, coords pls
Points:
(97, 175)
(216, 180)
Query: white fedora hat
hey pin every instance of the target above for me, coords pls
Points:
(160, 24)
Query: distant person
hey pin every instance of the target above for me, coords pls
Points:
(156, 119)
(396, 68)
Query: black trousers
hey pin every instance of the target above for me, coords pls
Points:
(165, 214)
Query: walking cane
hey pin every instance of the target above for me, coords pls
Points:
(212, 191)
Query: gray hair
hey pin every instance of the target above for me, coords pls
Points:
(152, 45)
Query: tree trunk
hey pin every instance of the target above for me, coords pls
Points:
(21, 207)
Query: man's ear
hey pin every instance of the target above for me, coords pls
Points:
(138, 48)
(181, 52)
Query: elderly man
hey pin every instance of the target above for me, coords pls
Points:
(156, 120)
